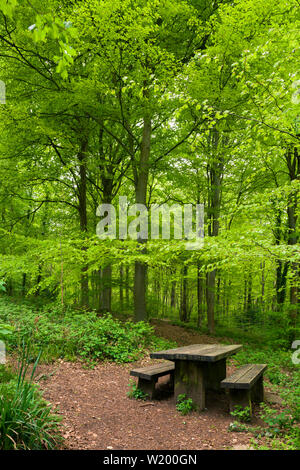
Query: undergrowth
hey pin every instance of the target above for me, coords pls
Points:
(72, 334)
(26, 419)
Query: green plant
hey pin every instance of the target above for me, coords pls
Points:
(6, 374)
(243, 414)
(277, 422)
(136, 392)
(6, 330)
(238, 427)
(185, 405)
(26, 420)
(70, 334)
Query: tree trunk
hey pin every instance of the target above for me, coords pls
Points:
(183, 304)
(214, 175)
(199, 296)
(141, 182)
(106, 273)
(121, 285)
(293, 163)
(127, 286)
(82, 187)
(210, 300)
(173, 292)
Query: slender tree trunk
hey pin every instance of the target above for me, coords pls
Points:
(121, 286)
(199, 296)
(82, 188)
(127, 286)
(106, 273)
(281, 267)
(249, 295)
(214, 175)
(141, 180)
(245, 293)
(106, 286)
(263, 282)
(173, 292)
(210, 300)
(24, 276)
(183, 304)
(293, 162)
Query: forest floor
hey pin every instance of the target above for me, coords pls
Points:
(97, 414)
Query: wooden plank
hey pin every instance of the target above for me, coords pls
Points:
(183, 350)
(237, 375)
(156, 370)
(198, 352)
(254, 374)
(244, 377)
(222, 351)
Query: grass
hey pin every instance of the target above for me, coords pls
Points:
(26, 419)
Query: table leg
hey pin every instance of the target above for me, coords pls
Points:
(189, 381)
(214, 373)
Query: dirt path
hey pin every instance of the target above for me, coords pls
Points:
(98, 414)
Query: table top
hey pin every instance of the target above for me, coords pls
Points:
(198, 352)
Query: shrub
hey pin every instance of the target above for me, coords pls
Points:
(242, 414)
(185, 405)
(26, 420)
(71, 333)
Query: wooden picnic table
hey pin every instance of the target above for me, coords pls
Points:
(197, 368)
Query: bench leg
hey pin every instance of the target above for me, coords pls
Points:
(147, 386)
(189, 381)
(170, 383)
(240, 398)
(257, 392)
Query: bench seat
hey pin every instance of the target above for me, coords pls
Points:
(245, 385)
(148, 376)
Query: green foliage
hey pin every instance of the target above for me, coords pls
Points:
(136, 392)
(185, 405)
(26, 419)
(237, 426)
(8, 7)
(6, 330)
(6, 374)
(279, 430)
(82, 112)
(82, 334)
(243, 414)
(277, 422)
(284, 378)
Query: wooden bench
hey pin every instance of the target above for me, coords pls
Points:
(245, 386)
(148, 376)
